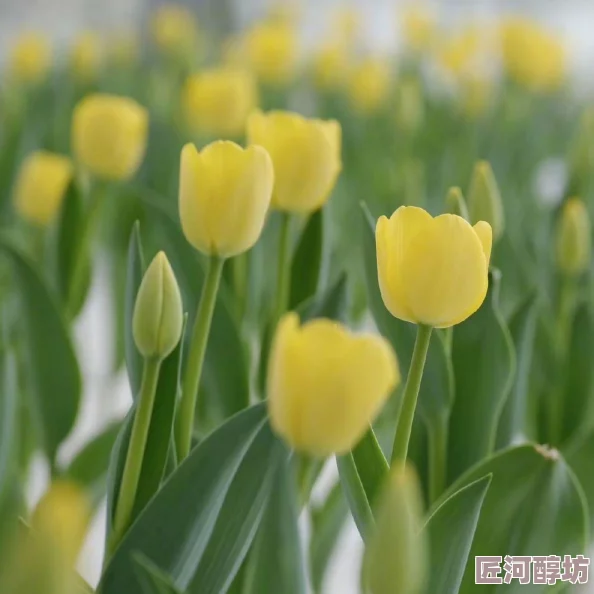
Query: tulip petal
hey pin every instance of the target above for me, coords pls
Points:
(485, 234)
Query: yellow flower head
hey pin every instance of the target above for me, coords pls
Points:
(219, 101)
(574, 238)
(467, 52)
(109, 135)
(325, 385)
(175, 30)
(41, 186)
(369, 85)
(224, 195)
(306, 157)
(31, 58)
(124, 49)
(86, 57)
(331, 66)
(347, 24)
(432, 271)
(271, 51)
(419, 27)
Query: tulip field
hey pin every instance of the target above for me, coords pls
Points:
(327, 265)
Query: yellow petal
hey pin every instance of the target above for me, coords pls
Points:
(485, 234)
(444, 272)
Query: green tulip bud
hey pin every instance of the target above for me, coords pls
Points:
(395, 556)
(484, 199)
(573, 238)
(455, 203)
(158, 312)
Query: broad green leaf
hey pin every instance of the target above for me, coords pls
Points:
(276, 563)
(579, 454)
(198, 528)
(534, 506)
(90, 466)
(54, 379)
(134, 276)
(307, 263)
(152, 579)
(327, 522)
(484, 366)
(451, 529)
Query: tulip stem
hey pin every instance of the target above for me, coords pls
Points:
(411, 393)
(193, 367)
(135, 454)
(438, 444)
(283, 276)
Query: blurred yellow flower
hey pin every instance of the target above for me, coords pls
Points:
(86, 57)
(347, 24)
(532, 56)
(109, 135)
(41, 186)
(175, 30)
(432, 271)
(271, 51)
(574, 238)
(224, 195)
(124, 49)
(331, 65)
(31, 58)
(419, 27)
(369, 85)
(326, 385)
(457, 54)
(306, 154)
(219, 101)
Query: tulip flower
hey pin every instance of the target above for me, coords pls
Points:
(369, 85)
(219, 101)
(484, 199)
(419, 27)
(574, 238)
(31, 58)
(41, 186)
(109, 135)
(175, 30)
(86, 57)
(331, 66)
(325, 385)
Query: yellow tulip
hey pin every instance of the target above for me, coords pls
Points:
(109, 135)
(418, 27)
(347, 24)
(574, 238)
(271, 52)
(432, 271)
(325, 385)
(331, 66)
(175, 30)
(31, 58)
(306, 157)
(219, 101)
(86, 57)
(124, 49)
(41, 186)
(224, 195)
(369, 85)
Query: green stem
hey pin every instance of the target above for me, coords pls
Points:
(193, 369)
(283, 274)
(438, 444)
(240, 266)
(136, 447)
(411, 392)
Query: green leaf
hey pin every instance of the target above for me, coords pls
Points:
(90, 466)
(135, 272)
(451, 529)
(9, 425)
(197, 529)
(151, 578)
(54, 373)
(579, 454)
(327, 522)
(276, 563)
(534, 506)
(306, 266)
(484, 367)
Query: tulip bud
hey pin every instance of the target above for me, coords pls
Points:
(419, 26)
(410, 108)
(175, 30)
(326, 385)
(331, 66)
(219, 101)
(158, 313)
(369, 85)
(484, 199)
(31, 58)
(109, 135)
(574, 238)
(224, 195)
(86, 57)
(306, 157)
(456, 204)
(41, 186)
(395, 558)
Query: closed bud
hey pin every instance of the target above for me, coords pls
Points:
(41, 186)
(158, 313)
(574, 238)
(395, 558)
(109, 135)
(484, 199)
(31, 58)
(86, 57)
(305, 154)
(224, 195)
(455, 203)
(325, 385)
